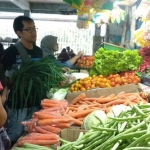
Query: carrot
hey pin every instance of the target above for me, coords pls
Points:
(61, 125)
(115, 102)
(67, 110)
(82, 113)
(82, 102)
(106, 100)
(81, 119)
(53, 101)
(37, 142)
(52, 121)
(89, 103)
(51, 128)
(76, 121)
(73, 106)
(121, 93)
(33, 136)
(40, 130)
(107, 110)
(49, 104)
(111, 95)
(48, 116)
(78, 98)
(89, 99)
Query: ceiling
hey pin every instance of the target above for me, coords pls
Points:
(37, 6)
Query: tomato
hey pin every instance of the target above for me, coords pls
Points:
(104, 80)
(112, 84)
(124, 80)
(129, 81)
(101, 76)
(110, 76)
(87, 87)
(82, 89)
(138, 79)
(107, 84)
(135, 81)
(118, 80)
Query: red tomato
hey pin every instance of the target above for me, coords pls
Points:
(112, 84)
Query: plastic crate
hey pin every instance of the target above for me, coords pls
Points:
(146, 80)
(109, 46)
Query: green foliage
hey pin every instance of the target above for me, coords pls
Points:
(111, 61)
(33, 80)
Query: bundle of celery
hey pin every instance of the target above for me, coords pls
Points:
(32, 80)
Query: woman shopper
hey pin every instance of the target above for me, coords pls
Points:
(49, 45)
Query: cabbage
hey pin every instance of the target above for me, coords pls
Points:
(92, 121)
(117, 109)
(60, 94)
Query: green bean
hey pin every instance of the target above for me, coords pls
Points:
(122, 127)
(116, 145)
(103, 129)
(123, 135)
(86, 140)
(144, 106)
(140, 139)
(78, 147)
(138, 148)
(97, 142)
(96, 139)
(139, 111)
(126, 119)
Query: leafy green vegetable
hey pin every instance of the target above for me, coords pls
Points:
(111, 61)
(32, 81)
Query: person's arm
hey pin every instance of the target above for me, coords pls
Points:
(3, 114)
(75, 58)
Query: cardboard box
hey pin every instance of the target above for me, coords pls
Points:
(71, 134)
(129, 88)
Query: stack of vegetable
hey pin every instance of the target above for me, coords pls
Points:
(129, 130)
(101, 82)
(145, 53)
(33, 79)
(110, 61)
(81, 106)
(46, 124)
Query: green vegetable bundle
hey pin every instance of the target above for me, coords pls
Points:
(27, 146)
(33, 80)
(112, 62)
(129, 131)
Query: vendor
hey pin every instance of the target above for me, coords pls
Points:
(49, 45)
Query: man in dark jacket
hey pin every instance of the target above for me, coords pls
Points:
(26, 30)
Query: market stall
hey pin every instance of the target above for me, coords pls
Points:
(106, 108)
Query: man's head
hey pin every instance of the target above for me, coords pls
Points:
(25, 28)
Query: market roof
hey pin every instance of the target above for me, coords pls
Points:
(37, 6)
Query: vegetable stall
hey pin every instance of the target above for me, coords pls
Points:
(103, 107)
(103, 104)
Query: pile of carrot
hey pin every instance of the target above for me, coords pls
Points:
(45, 124)
(81, 106)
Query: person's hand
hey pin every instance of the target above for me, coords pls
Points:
(66, 69)
(80, 53)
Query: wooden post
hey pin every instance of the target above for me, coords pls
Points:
(124, 27)
(133, 26)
